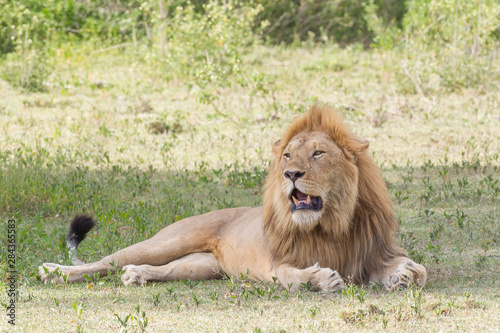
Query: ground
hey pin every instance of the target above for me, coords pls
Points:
(113, 139)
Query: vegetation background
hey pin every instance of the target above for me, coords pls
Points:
(145, 112)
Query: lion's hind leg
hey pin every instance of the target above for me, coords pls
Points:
(195, 266)
(402, 272)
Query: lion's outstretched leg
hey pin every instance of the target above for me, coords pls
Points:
(321, 279)
(153, 251)
(192, 235)
(401, 272)
(196, 266)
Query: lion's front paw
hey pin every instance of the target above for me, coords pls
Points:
(51, 273)
(132, 276)
(324, 279)
(405, 275)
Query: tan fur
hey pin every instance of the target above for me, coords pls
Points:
(351, 236)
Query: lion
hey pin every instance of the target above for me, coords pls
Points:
(326, 220)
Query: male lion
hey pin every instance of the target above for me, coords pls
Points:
(326, 216)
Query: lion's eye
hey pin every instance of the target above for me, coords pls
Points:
(286, 155)
(318, 153)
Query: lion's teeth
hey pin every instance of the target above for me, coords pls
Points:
(308, 200)
(295, 200)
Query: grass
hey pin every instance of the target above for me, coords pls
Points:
(114, 139)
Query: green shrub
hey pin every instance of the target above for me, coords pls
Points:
(340, 21)
(450, 44)
(27, 69)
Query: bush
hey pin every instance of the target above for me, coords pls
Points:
(450, 44)
(27, 69)
(42, 21)
(340, 21)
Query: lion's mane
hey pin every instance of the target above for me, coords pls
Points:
(355, 236)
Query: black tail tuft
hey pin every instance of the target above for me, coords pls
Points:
(78, 230)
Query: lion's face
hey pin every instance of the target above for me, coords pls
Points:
(317, 178)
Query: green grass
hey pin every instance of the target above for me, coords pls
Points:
(114, 139)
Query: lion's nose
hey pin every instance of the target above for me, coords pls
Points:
(293, 175)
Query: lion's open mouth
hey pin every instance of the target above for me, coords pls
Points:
(304, 201)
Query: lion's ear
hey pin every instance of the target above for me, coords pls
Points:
(276, 147)
(364, 144)
(359, 145)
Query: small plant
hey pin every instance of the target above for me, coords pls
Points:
(191, 284)
(197, 300)
(137, 322)
(415, 297)
(312, 311)
(384, 322)
(156, 299)
(115, 274)
(257, 291)
(270, 293)
(409, 242)
(123, 322)
(433, 245)
(141, 319)
(306, 286)
(361, 296)
(231, 284)
(400, 197)
(349, 291)
(55, 274)
(214, 296)
(459, 218)
(244, 277)
(178, 306)
(88, 279)
(78, 308)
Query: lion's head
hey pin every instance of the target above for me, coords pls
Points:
(323, 188)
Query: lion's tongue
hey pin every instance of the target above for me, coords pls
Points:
(301, 196)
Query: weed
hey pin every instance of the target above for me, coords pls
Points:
(197, 300)
(433, 245)
(156, 299)
(178, 306)
(400, 197)
(189, 283)
(78, 308)
(123, 322)
(306, 285)
(257, 291)
(415, 297)
(409, 242)
(384, 322)
(313, 311)
(271, 293)
(361, 296)
(351, 291)
(137, 322)
(214, 296)
(115, 274)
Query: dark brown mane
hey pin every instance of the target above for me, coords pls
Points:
(356, 247)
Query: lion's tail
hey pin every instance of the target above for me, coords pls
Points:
(78, 230)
